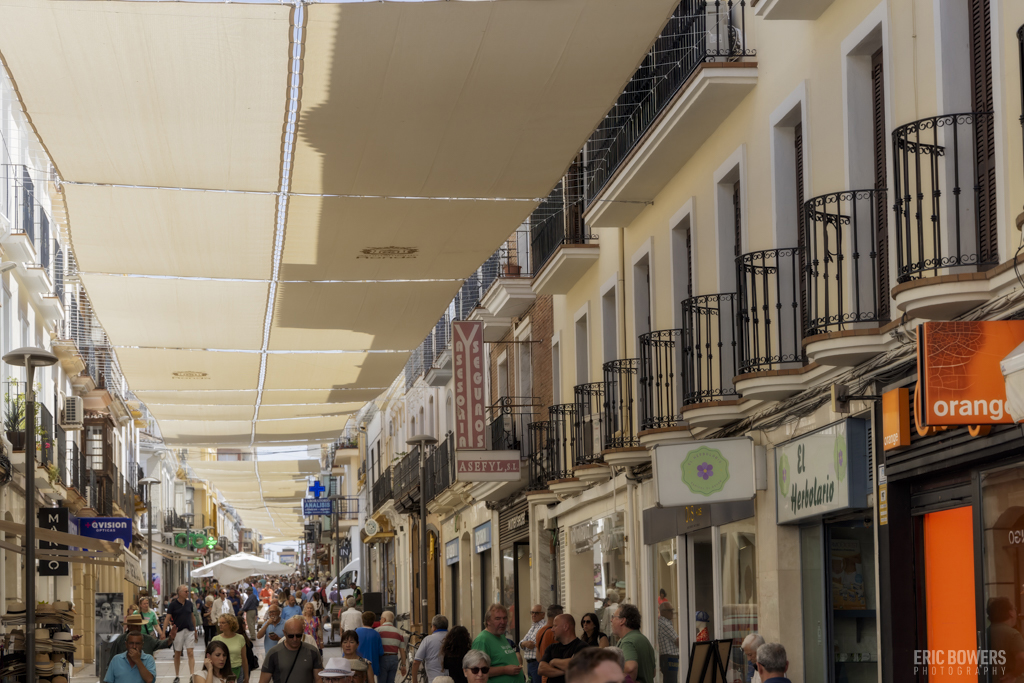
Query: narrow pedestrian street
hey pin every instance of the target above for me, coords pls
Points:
(512, 341)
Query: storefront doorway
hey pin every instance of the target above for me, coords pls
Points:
(708, 574)
(839, 597)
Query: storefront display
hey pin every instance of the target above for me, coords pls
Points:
(514, 536)
(822, 480)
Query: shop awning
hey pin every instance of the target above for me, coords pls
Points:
(272, 198)
(96, 551)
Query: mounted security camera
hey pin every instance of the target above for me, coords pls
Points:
(7, 265)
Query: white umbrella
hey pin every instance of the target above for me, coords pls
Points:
(238, 567)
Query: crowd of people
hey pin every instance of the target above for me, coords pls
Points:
(291, 618)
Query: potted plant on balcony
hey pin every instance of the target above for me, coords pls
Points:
(14, 416)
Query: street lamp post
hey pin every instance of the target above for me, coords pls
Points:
(423, 440)
(148, 483)
(30, 358)
(188, 516)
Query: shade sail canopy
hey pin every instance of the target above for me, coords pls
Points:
(240, 566)
(245, 181)
(268, 494)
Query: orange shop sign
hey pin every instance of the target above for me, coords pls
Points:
(895, 419)
(958, 371)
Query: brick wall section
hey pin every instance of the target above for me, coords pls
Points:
(541, 317)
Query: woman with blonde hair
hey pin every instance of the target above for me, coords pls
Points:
(313, 626)
(235, 641)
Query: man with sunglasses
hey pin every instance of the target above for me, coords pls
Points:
(291, 660)
(529, 643)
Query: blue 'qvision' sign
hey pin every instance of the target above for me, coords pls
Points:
(106, 529)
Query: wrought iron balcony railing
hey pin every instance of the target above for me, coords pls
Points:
(658, 378)
(509, 418)
(442, 467)
(558, 219)
(699, 31)
(407, 472)
(945, 198)
(589, 426)
(381, 491)
(562, 440)
(709, 346)
(347, 507)
(846, 260)
(543, 466)
(620, 403)
(771, 334)
(514, 255)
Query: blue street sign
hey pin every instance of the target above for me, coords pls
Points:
(313, 507)
(316, 489)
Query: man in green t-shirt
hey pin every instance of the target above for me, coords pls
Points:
(639, 653)
(505, 666)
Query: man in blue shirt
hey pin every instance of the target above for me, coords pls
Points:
(772, 663)
(272, 631)
(133, 666)
(291, 608)
(371, 647)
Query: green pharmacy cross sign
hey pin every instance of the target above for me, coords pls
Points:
(194, 540)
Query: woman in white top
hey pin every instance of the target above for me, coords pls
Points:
(216, 666)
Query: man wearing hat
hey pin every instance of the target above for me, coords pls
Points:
(134, 624)
(132, 666)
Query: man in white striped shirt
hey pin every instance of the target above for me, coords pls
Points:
(528, 644)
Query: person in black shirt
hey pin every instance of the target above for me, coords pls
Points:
(590, 633)
(180, 610)
(557, 656)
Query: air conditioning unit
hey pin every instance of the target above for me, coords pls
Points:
(73, 415)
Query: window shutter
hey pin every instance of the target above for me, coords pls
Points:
(801, 223)
(984, 133)
(881, 210)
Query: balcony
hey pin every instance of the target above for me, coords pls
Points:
(710, 347)
(847, 276)
(507, 421)
(20, 210)
(441, 467)
(770, 330)
(806, 10)
(561, 246)
(564, 449)
(620, 409)
(511, 294)
(381, 491)
(691, 80)
(945, 207)
(590, 430)
(173, 521)
(407, 483)
(543, 468)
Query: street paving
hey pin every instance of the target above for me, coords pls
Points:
(165, 664)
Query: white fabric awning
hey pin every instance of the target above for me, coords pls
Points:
(217, 232)
(268, 494)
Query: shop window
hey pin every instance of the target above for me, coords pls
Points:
(1003, 547)
(702, 588)
(667, 579)
(738, 547)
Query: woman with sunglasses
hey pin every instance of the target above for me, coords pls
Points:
(453, 649)
(592, 635)
(362, 672)
(475, 666)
